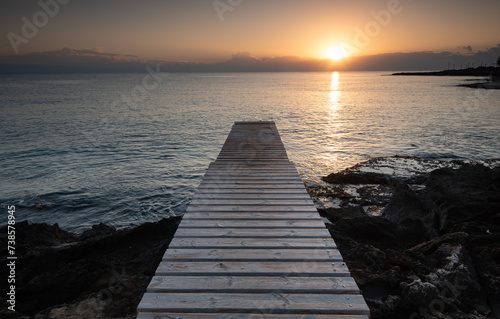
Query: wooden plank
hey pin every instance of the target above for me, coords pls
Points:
(276, 147)
(249, 168)
(271, 162)
(253, 215)
(236, 147)
(275, 183)
(250, 208)
(225, 182)
(261, 155)
(247, 174)
(225, 178)
(272, 303)
(245, 223)
(239, 165)
(245, 243)
(281, 165)
(256, 162)
(268, 191)
(250, 186)
(253, 232)
(253, 172)
(238, 168)
(258, 170)
(257, 202)
(254, 123)
(242, 284)
(252, 158)
(262, 255)
(254, 315)
(268, 180)
(268, 268)
(265, 154)
(259, 195)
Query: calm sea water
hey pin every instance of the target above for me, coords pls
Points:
(124, 149)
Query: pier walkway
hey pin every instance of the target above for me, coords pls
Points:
(251, 244)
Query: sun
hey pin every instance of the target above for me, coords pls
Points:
(336, 52)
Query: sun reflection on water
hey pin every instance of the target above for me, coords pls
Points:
(335, 94)
(334, 143)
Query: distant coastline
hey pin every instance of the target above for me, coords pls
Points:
(492, 83)
(479, 71)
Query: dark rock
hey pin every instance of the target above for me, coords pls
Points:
(469, 193)
(334, 214)
(356, 177)
(436, 255)
(38, 235)
(380, 232)
(407, 206)
(101, 273)
(377, 195)
(431, 246)
(485, 253)
(97, 231)
(386, 167)
(433, 278)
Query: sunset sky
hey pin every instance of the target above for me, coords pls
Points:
(211, 31)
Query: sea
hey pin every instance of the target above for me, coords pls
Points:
(125, 149)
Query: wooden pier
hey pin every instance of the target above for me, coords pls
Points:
(251, 244)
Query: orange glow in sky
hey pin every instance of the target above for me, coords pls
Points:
(201, 31)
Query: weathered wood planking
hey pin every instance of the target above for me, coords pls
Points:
(250, 208)
(275, 302)
(252, 196)
(244, 223)
(251, 244)
(253, 268)
(243, 243)
(253, 315)
(242, 284)
(264, 202)
(256, 232)
(251, 254)
(252, 215)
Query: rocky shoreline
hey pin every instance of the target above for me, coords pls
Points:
(100, 273)
(434, 249)
(429, 246)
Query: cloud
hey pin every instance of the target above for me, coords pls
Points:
(96, 60)
(243, 57)
(465, 47)
(70, 60)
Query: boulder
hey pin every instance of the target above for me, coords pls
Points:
(471, 192)
(334, 214)
(407, 207)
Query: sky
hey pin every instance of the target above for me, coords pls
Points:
(214, 31)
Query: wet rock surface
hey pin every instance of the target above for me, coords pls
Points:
(435, 250)
(101, 273)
